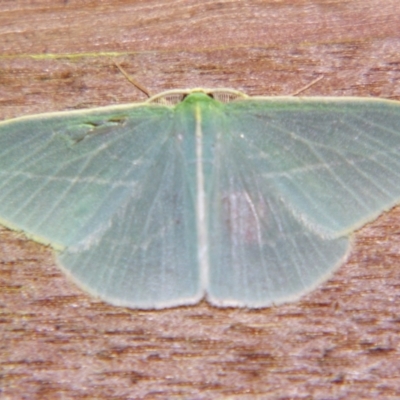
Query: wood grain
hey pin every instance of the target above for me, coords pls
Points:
(339, 342)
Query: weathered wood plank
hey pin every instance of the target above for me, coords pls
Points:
(341, 341)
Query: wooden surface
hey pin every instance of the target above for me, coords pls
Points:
(339, 342)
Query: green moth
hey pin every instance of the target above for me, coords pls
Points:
(246, 201)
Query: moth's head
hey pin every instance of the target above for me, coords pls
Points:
(174, 97)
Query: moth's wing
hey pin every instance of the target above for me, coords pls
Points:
(334, 162)
(147, 257)
(108, 188)
(294, 178)
(260, 254)
(63, 175)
